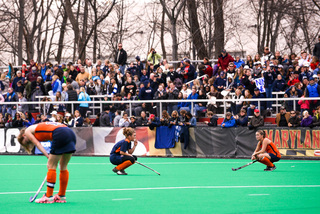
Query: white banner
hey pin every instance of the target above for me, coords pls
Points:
(12, 143)
(105, 138)
(260, 84)
(2, 140)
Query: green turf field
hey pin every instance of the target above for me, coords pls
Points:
(186, 185)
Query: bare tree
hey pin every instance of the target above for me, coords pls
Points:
(62, 33)
(269, 14)
(218, 26)
(195, 30)
(82, 39)
(97, 20)
(38, 18)
(163, 47)
(316, 4)
(21, 21)
(173, 10)
(30, 18)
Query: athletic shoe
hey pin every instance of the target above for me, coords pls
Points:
(270, 168)
(267, 169)
(115, 170)
(121, 172)
(45, 200)
(59, 199)
(273, 168)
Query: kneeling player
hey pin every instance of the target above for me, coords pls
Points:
(121, 153)
(266, 152)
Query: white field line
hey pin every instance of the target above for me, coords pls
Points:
(121, 199)
(258, 194)
(164, 163)
(174, 188)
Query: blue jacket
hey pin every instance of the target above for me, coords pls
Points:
(304, 74)
(229, 123)
(313, 90)
(47, 78)
(1, 86)
(84, 98)
(43, 71)
(269, 77)
(15, 80)
(146, 93)
(193, 121)
(192, 97)
(80, 122)
(299, 92)
(242, 121)
(9, 72)
(56, 86)
(27, 124)
(237, 81)
(279, 85)
(220, 82)
(156, 122)
(133, 70)
(183, 104)
(11, 97)
(239, 63)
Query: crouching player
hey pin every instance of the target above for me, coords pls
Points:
(121, 153)
(63, 145)
(266, 152)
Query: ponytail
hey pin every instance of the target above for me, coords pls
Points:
(263, 133)
(128, 131)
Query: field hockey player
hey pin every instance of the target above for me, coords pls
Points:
(63, 145)
(121, 153)
(266, 152)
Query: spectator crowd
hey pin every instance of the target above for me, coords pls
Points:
(294, 75)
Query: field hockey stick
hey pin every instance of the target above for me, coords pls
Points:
(148, 167)
(32, 198)
(248, 164)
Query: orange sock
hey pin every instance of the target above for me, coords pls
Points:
(266, 161)
(64, 178)
(51, 181)
(124, 165)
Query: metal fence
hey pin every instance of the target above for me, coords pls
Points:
(97, 103)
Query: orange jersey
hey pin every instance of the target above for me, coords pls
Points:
(43, 131)
(271, 148)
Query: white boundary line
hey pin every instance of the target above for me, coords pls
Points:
(164, 163)
(121, 199)
(174, 188)
(258, 194)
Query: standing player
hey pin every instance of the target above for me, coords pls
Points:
(266, 152)
(121, 153)
(63, 145)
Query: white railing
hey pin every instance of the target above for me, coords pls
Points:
(193, 60)
(130, 102)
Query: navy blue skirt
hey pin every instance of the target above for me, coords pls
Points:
(63, 141)
(273, 158)
(115, 159)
